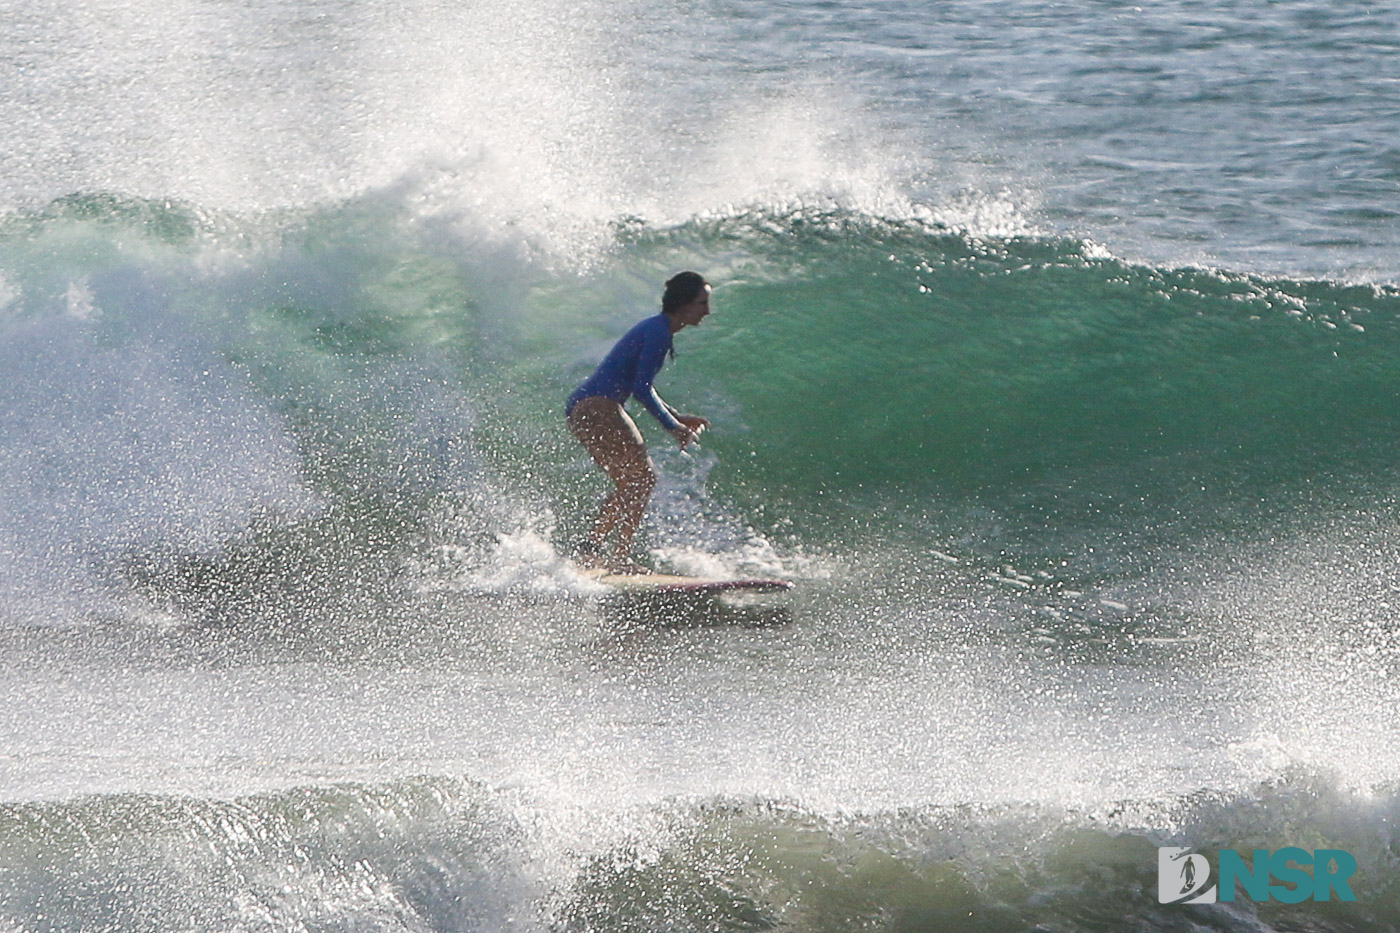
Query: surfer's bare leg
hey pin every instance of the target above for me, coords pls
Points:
(622, 513)
(613, 440)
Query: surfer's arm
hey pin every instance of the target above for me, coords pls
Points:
(649, 362)
(675, 413)
(660, 410)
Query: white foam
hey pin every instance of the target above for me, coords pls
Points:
(114, 449)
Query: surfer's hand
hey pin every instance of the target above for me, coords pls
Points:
(694, 422)
(691, 426)
(685, 435)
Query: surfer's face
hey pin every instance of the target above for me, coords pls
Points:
(695, 310)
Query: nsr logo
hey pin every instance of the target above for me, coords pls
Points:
(1183, 877)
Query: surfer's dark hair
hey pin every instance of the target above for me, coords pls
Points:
(681, 289)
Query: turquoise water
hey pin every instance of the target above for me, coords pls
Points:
(1053, 358)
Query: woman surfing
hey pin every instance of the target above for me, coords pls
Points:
(596, 416)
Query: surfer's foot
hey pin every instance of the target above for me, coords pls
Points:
(588, 556)
(627, 567)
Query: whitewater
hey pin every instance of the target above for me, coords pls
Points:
(1055, 357)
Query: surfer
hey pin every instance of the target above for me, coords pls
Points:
(1188, 874)
(596, 416)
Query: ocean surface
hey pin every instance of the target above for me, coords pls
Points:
(1055, 358)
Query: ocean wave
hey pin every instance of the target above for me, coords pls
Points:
(447, 854)
(351, 361)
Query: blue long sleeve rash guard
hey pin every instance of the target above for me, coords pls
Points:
(629, 369)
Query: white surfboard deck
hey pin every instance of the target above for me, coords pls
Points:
(673, 583)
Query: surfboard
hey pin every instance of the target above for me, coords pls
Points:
(673, 583)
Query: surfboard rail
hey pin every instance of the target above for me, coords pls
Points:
(677, 583)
